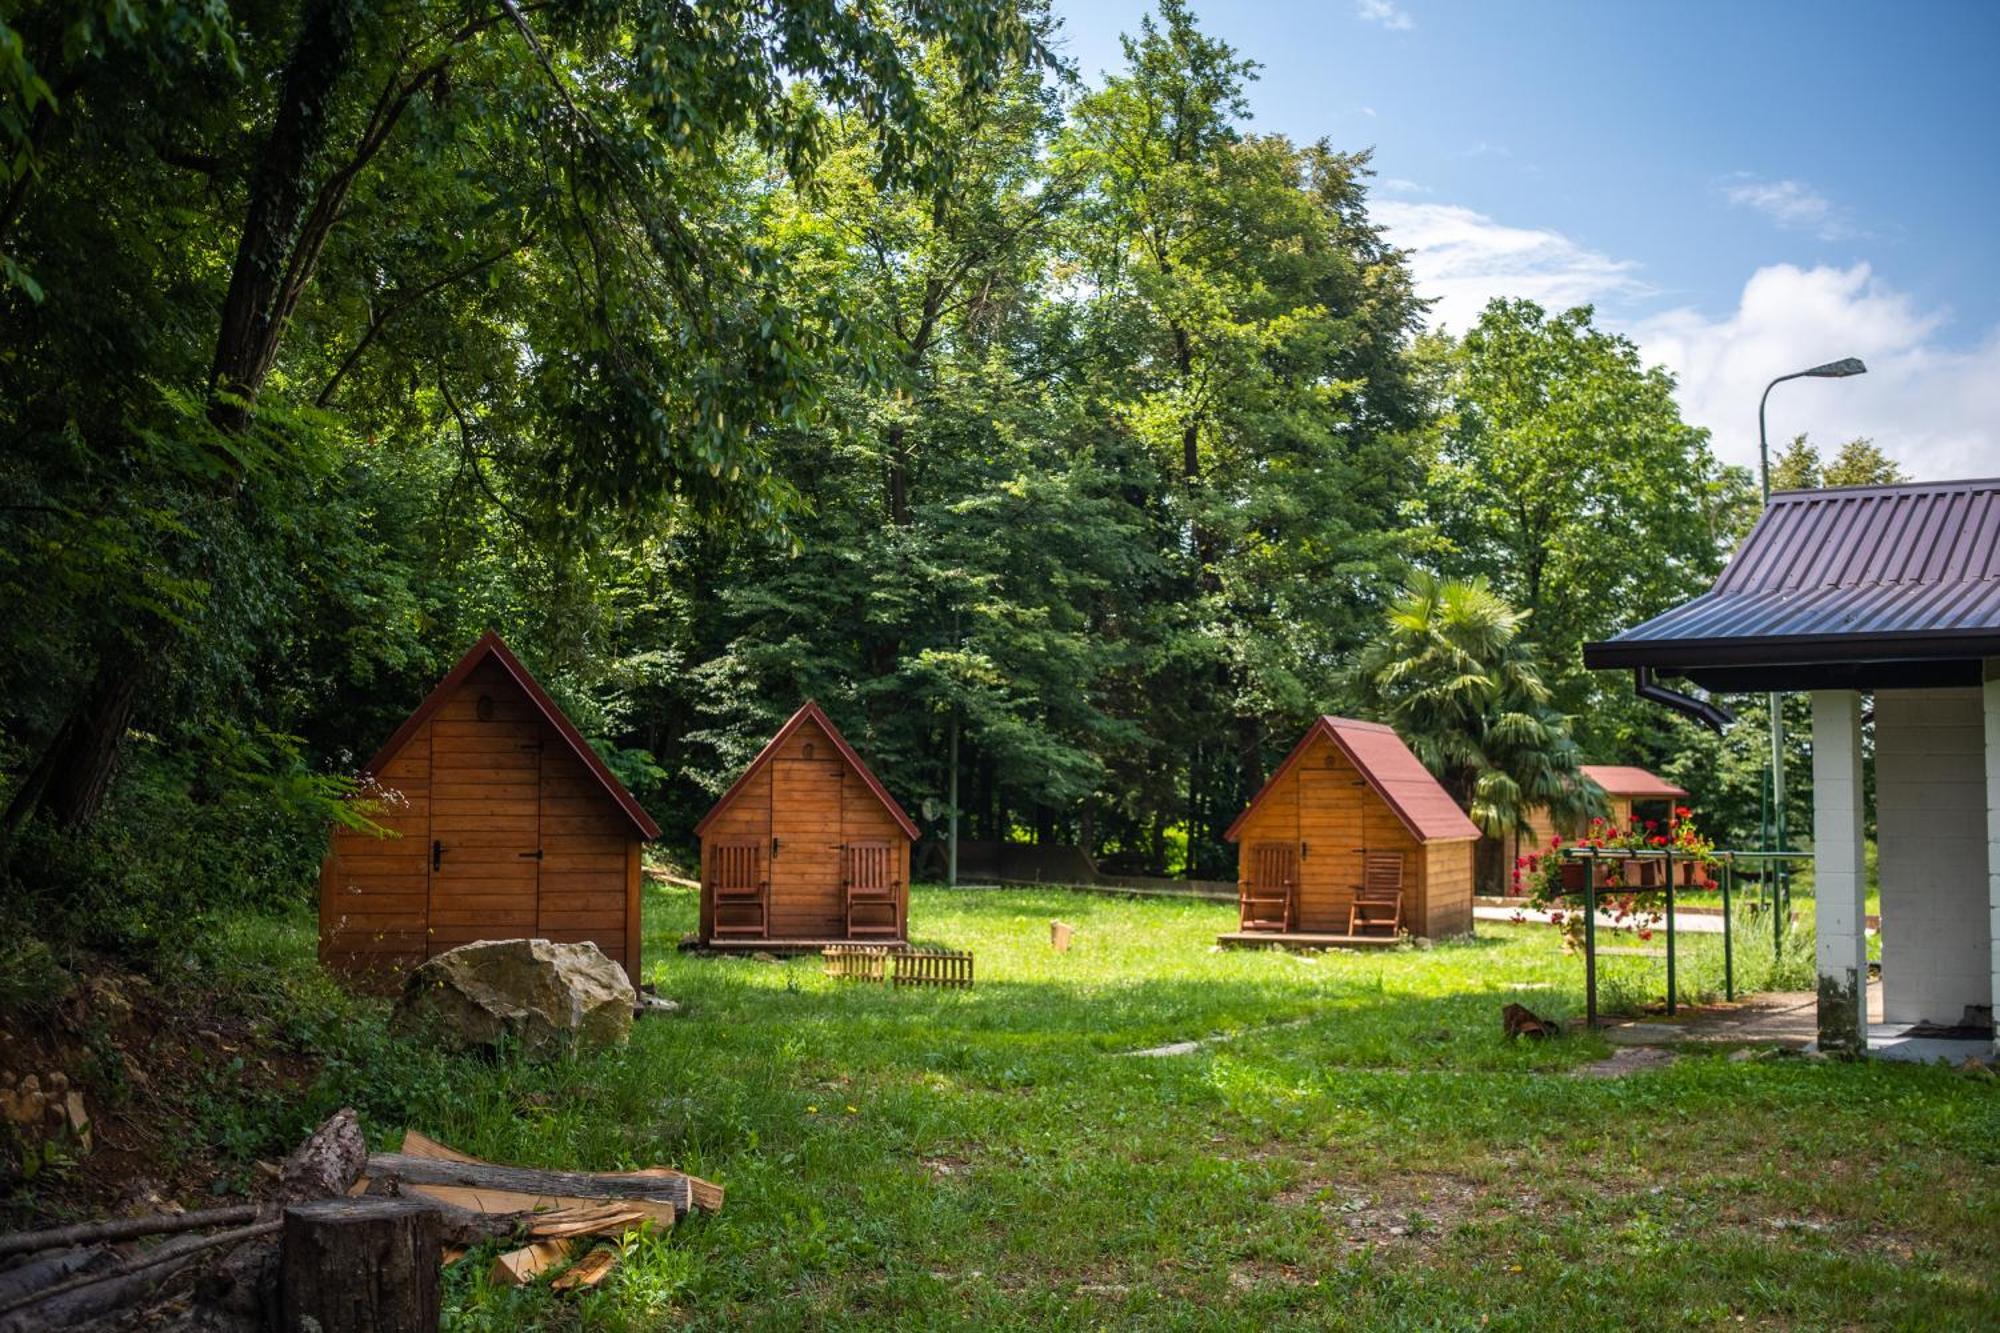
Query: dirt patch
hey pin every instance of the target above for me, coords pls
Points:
(1625, 1060)
(1401, 1211)
(144, 1056)
(947, 1167)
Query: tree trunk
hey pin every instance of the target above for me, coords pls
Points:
(899, 477)
(276, 253)
(360, 1266)
(69, 781)
(274, 261)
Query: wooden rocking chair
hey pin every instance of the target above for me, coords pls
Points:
(1268, 900)
(1378, 903)
(740, 888)
(874, 892)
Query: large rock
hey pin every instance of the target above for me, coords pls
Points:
(544, 995)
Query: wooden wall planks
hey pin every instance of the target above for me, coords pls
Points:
(530, 843)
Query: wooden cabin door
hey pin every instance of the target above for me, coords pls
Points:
(1331, 846)
(485, 852)
(805, 850)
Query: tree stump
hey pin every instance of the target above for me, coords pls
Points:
(360, 1266)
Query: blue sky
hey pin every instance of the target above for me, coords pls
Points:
(1744, 189)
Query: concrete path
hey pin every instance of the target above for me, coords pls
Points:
(1685, 923)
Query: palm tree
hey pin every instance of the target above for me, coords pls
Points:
(1452, 676)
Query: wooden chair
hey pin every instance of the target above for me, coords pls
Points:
(1378, 903)
(741, 887)
(1268, 899)
(874, 891)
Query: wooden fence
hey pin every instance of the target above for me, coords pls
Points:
(933, 967)
(857, 962)
(905, 967)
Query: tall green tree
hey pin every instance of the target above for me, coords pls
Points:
(1452, 674)
(529, 225)
(1565, 473)
(1859, 462)
(1246, 326)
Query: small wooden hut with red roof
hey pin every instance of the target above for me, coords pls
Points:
(504, 824)
(805, 849)
(1628, 791)
(1352, 841)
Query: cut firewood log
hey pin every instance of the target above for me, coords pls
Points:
(327, 1163)
(467, 1227)
(241, 1292)
(360, 1266)
(91, 1294)
(702, 1194)
(517, 1268)
(45, 1270)
(125, 1228)
(486, 1187)
(588, 1271)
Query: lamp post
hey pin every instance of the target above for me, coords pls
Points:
(1832, 370)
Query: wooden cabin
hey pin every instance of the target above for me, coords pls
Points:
(503, 823)
(805, 849)
(1628, 791)
(1352, 841)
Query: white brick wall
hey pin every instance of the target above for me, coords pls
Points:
(1931, 829)
(1838, 874)
(1993, 840)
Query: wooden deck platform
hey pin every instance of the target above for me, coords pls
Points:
(1297, 939)
(750, 944)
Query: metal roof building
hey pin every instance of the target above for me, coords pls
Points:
(1859, 586)
(1893, 592)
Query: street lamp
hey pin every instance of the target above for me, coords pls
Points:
(1832, 370)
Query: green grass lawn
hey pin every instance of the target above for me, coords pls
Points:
(1364, 1150)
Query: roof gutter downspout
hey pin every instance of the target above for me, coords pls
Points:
(1711, 715)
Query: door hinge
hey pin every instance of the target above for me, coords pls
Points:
(535, 855)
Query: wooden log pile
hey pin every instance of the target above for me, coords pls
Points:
(348, 1241)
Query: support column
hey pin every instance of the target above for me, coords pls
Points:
(1840, 885)
(1993, 838)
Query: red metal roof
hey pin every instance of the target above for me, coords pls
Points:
(811, 712)
(1853, 573)
(1396, 775)
(491, 645)
(1625, 780)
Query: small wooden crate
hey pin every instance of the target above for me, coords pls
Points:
(857, 962)
(933, 967)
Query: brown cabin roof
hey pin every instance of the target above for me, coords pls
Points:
(1396, 775)
(1626, 780)
(810, 711)
(491, 645)
(1868, 584)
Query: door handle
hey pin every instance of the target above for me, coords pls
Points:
(774, 849)
(437, 854)
(535, 855)
(1304, 849)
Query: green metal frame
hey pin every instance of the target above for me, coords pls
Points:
(1778, 898)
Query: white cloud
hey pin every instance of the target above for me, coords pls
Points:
(1930, 401)
(1400, 185)
(1463, 259)
(1933, 407)
(1789, 203)
(1385, 12)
